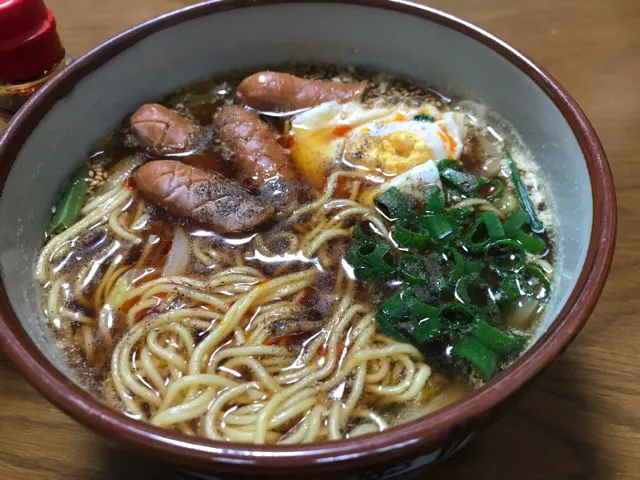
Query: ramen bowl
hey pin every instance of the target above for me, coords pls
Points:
(53, 132)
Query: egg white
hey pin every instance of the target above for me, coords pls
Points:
(384, 140)
(413, 182)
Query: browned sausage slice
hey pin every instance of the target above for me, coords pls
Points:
(254, 146)
(162, 129)
(273, 91)
(206, 197)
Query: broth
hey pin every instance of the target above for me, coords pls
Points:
(381, 287)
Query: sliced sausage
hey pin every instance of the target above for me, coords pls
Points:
(209, 198)
(208, 161)
(162, 129)
(254, 146)
(273, 91)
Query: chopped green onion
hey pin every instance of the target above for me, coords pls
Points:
(434, 199)
(462, 266)
(477, 237)
(421, 310)
(358, 234)
(396, 306)
(539, 275)
(459, 318)
(438, 226)
(535, 224)
(474, 286)
(461, 215)
(414, 270)
(531, 243)
(447, 163)
(428, 330)
(395, 203)
(388, 327)
(512, 287)
(514, 223)
(406, 237)
(424, 118)
(485, 229)
(465, 182)
(70, 204)
(368, 258)
(494, 338)
(505, 256)
(483, 358)
(453, 303)
(494, 227)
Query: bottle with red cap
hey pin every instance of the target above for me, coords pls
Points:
(30, 50)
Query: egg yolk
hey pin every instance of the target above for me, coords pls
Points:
(390, 155)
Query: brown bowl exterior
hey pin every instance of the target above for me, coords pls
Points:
(395, 451)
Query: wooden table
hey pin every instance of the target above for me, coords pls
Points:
(581, 420)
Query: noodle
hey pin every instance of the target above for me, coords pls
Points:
(243, 390)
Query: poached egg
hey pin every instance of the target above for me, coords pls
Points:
(383, 140)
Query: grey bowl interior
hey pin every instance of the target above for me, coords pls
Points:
(266, 35)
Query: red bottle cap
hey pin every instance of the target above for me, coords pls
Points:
(29, 42)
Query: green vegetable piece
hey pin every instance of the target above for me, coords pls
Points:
(428, 330)
(531, 243)
(463, 266)
(457, 320)
(474, 290)
(493, 338)
(434, 199)
(406, 237)
(480, 356)
(414, 270)
(395, 204)
(467, 183)
(421, 310)
(396, 306)
(493, 225)
(70, 204)
(485, 229)
(458, 313)
(514, 223)
(513, 287)
(462, 216)
(447, 163)
(505, 256)
(477, 237)
(535, 224)
(424, 118)
(438, 226)
(535, 272)
(368, 259)
(358, 234)
(389, 328)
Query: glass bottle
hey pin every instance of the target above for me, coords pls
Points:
(30, 50)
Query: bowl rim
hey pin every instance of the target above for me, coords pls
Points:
(397, 442)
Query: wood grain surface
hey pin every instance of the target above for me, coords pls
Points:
(581, 419)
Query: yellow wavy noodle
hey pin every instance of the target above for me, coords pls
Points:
(209, 367)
